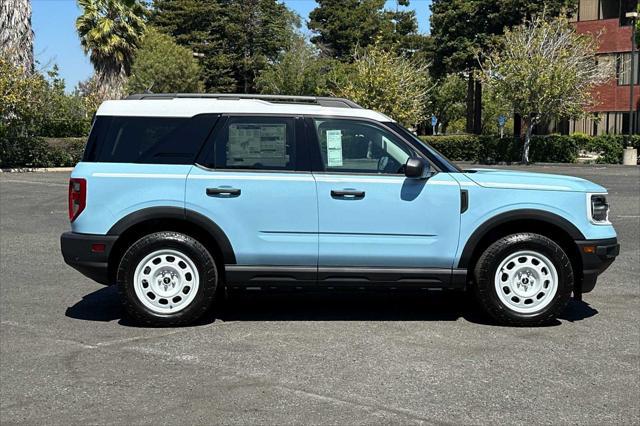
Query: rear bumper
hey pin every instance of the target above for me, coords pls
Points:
(597, 256)
(77, 253)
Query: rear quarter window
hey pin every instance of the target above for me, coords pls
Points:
(148, 140)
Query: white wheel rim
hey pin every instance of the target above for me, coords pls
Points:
(166, 281)
(526, 281)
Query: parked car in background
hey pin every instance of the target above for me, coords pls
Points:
(178, 196)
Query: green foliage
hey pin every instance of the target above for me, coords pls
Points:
(32, 105)
(162, 66)
(298, 71)
(341, 26)
(447, 100)
(491, 149)
(235, 39)
(609, 147)
(110, 31)
(21, 99)
(40, 152)
(384, 81)
(462, 28)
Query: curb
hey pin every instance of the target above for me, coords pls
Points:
(36, 169)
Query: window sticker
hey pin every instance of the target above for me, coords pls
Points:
(334, 148)
(252, 143)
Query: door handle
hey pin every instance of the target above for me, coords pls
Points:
(347, 194)
(233, 192)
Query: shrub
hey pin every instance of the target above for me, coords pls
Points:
(40, 152)
(458, 147)
(490, 149)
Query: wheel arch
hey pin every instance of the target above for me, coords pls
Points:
(541, 222)
(154, 219)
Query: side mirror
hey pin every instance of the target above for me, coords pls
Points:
(417, 168)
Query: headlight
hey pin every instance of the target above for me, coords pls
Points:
(598, 208)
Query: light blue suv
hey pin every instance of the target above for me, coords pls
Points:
(178, 196)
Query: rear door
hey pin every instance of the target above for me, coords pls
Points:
(374, 223)
(254, 182)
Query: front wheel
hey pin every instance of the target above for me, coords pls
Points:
(524, 279)
(166, 279)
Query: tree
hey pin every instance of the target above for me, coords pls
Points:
(446, 100)
(382, 80)
(462, 28)
(234, 39)
(342, 25)
(544, 70)
(62, 115)
(21, 99)
(110, 31)
(298, 71)
(162, 66)
(34, 105)
(16, 35)
(199, 26)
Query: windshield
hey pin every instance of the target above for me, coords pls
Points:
(441, 161)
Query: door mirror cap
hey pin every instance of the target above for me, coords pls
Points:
(417, 168)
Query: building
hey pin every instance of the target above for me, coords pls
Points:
(607, 18)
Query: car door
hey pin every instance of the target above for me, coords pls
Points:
(254, 182)
(375, 224)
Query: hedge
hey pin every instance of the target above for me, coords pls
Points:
(489, 149)
(41, 152)
(485, 149)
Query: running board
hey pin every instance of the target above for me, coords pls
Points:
(302, 276)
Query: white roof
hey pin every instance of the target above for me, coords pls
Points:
(188, 107)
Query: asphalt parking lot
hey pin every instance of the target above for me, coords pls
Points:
(68, 356)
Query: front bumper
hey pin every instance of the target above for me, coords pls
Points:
(597, 256)
(78, 252)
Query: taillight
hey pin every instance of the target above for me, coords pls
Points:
(77, 197)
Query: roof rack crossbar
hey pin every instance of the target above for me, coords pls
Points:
(317, 100)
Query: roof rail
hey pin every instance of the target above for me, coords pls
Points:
(314, 100)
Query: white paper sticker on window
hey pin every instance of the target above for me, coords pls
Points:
(334, 148)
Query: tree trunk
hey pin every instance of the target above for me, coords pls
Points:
(16, 34)
(470, 103)
(517, 126)
(477, 116)
(111, 85)
(527, 142)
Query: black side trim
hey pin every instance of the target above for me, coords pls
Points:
(178, 213)
(397, 277)
(278, 276)
(247, 276)
(523, 214)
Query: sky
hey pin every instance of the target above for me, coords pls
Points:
(56, 41)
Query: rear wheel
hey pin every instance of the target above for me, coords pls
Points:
(524, 279)
(167, 278)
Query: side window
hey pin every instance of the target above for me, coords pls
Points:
(360, 147)
(150, 140)
(260, 143)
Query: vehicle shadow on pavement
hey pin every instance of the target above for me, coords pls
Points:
(364, 305)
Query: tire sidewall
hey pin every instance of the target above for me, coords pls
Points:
(526, 242)
(187, 245)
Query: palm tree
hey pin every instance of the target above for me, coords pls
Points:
(16, 35)
(110, 31)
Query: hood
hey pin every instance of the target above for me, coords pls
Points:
(511, 179)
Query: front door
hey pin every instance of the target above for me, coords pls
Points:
(255, 184)
(373, 221)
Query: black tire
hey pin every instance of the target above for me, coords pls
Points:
(496, 253)
(167, 240)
